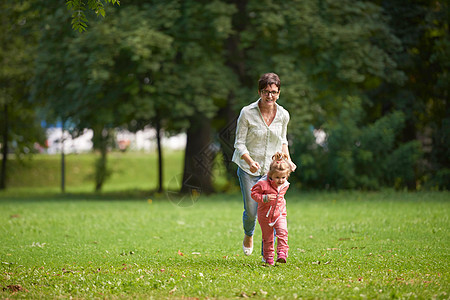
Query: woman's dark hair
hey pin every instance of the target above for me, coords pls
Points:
(269, 79)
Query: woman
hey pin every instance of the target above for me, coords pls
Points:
(261, 131)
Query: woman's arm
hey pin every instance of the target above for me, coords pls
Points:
(284, 146)
(241, 135)
(254, 166)
(240, 142)
(285, 150)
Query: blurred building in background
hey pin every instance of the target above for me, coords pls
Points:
(143, 140)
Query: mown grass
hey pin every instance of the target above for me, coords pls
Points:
(342, 245)
(128, 171)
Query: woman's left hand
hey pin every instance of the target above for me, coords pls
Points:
(292, 165)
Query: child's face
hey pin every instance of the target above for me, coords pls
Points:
(279, 177)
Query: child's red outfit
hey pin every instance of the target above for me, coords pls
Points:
(272, 215)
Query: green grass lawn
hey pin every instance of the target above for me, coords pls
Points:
(342, 245)
(129, 171)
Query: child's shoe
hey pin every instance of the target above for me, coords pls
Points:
(270, 261)
(281, 259)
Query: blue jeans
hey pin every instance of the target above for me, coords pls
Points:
(246, 182)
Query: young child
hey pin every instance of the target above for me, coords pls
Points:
(269, 192)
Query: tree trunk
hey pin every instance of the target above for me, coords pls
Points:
(236, 60)
(63, 162)
(199, 158)
(227, 134)
(100, 171)
(63, 170)
(235, 57)
(101, 137)
(160, 166)
(4, 147)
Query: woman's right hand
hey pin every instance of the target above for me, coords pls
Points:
(254, 166)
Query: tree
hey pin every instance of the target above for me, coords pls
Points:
(202, 83)
(97, 79)
(19, 125)
(363, 59)
(422, 26)
(328, 55)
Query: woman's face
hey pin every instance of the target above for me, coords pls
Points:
(269, 95)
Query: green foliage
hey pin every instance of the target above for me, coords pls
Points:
(18, 117)
(358, 156)
(440, 180)
(79, 20)
(106, 77)
(326, 52)
(346, 67)
(422, 29)
(342, 245)
(20, 129)
(440, 156)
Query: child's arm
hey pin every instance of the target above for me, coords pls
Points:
(259, 196)
(257, 193)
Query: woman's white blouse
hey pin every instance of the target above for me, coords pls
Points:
(260, 141)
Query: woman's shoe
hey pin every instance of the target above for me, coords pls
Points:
(247, 251)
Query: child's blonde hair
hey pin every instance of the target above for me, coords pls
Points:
(279, 164)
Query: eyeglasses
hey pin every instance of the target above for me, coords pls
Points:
(267, 93)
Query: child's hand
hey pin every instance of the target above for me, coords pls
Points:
(271, 197)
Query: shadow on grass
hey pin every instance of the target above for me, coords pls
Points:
(46, 195)
(186, 200)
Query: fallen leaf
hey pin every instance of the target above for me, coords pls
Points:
(14, 288)
(243, 295)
